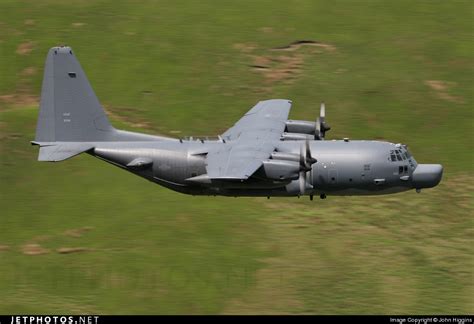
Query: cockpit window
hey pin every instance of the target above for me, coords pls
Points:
(399, 155)
(407, 156)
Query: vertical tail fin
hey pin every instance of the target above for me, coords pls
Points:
(71, 118)
(69, 108)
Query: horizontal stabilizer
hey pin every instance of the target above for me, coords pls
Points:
(60, 151)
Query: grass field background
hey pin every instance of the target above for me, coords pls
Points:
(398, 71)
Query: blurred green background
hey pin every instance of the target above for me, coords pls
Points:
(400, 71)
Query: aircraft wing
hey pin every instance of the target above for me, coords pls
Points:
(249, 141)
(268, 115)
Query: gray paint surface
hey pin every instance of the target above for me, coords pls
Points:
(263, 154)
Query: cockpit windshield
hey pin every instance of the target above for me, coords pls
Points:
(398, 155)
(401, 153)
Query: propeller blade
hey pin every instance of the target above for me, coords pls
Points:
(302, 182)
(306, 160)
(302, 158)
(309, 159)
(317, 132)
(321, 126)
(305, 157)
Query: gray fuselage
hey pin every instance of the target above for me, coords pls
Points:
(343, 167)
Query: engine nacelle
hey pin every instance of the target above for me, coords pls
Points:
(301, 126)
(281, 169)
(296, 137)
(285, 156)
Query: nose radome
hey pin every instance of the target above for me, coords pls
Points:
(427, 175)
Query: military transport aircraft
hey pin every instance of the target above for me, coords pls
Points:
(263, 154)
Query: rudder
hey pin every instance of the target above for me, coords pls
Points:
(69, 108)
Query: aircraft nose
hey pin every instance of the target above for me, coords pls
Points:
(427, 175)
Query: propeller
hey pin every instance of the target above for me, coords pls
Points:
(302, 182)
(321, 126)
(306, 160)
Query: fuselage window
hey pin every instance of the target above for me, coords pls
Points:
(405, 168)
(400, 169)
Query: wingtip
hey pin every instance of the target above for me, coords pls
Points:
(276, 100)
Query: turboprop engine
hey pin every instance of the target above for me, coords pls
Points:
(303, 129)
(290, 166)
